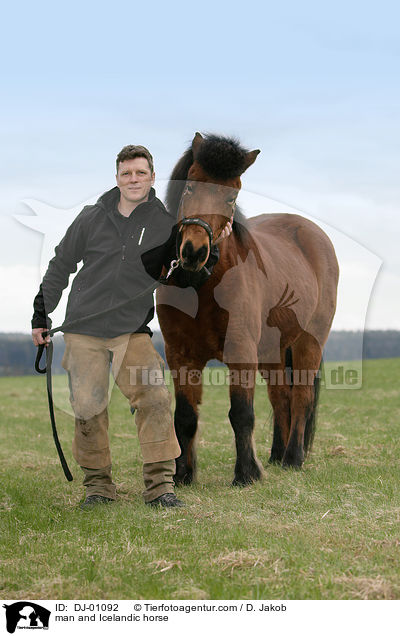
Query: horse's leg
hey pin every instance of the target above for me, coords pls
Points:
(188, 390)
(307, 356)
(280, 397)
(241, 415)
(279, 392)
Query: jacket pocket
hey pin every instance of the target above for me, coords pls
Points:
(75, 295)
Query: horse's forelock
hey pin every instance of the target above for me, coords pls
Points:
(222, 158)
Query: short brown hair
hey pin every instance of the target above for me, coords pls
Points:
(131, 152)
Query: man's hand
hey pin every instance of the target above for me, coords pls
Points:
(225, 232)
(38, 338)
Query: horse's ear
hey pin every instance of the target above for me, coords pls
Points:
(250, 158)
(196, 143)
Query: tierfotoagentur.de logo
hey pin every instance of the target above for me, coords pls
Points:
(26, 615)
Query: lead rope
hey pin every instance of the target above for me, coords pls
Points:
(47, 370)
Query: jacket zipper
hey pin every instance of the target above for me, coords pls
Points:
(118, 270)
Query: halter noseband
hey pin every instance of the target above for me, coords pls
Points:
(201, 223)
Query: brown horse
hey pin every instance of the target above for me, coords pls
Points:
(239, 313)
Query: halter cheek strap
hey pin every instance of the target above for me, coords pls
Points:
(223, 229)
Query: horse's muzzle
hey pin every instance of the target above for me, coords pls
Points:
(192, 259)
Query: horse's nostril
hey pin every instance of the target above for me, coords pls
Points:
(191, 255)
(188, 251)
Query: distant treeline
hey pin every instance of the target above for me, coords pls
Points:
(17, 352)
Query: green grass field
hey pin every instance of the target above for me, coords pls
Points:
(331, 531)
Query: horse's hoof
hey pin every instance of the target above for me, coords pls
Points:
(275, 461)
(239, 483)
(293, 458)
(183, 480)
(246, 480)
(295, 465)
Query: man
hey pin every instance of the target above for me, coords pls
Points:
(124, 240)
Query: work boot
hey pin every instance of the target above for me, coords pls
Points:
(167, 500)
(94, 500)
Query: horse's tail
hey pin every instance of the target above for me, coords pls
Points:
(311, 420)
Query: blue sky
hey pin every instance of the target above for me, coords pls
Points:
(314, 86)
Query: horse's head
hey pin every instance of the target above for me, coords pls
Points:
(209, 196)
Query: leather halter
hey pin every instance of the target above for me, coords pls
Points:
(201, 223)
(192, 221)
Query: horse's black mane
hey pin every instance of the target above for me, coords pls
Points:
(221, 158)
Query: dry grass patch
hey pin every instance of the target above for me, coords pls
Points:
(163, 566)
(244, 559)
(337, 450)
(364, 588)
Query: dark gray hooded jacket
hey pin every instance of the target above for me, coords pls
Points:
(121, 258)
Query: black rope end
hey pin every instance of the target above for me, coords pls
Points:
(38, 358)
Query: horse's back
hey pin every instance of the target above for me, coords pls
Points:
(302, 232)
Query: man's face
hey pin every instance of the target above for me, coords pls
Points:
(134, 179)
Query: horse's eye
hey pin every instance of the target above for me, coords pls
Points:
(188, 189)
(231, 201)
